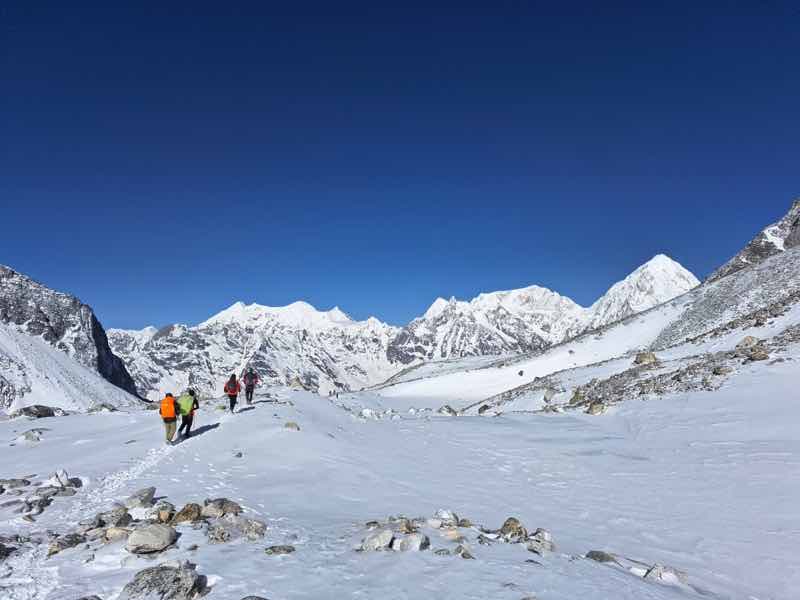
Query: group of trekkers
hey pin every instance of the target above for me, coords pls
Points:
(186, 405)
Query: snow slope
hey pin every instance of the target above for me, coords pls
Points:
(33, 372)
(669, 324)
(699, 482)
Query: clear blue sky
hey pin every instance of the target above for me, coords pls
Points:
(162, 163)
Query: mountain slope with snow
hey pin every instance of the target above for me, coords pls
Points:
(533, 318)
(61, 321)
(772, 240)
(292, 345)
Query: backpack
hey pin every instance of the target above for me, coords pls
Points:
(167, 410)
(231, 388)
(185, 404)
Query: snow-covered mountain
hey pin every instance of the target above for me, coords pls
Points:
(532, 318)
(326, 350)
(772, 240)
(291, 345)
(59, 321)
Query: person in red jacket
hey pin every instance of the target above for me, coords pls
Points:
(232, 390)
(250, 382)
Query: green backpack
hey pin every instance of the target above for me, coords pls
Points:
(185, 404)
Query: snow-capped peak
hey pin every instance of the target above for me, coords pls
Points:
(297, 314)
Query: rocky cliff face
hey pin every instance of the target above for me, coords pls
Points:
(772, 240)
(62, 321)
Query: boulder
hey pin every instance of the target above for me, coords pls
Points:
(5, 551)
(596, 407)
(65, 542)
(102, 407)
(413, 542)
(464, 552)
(540, 542)
(114, 534)
(163, 512)
(231, 527)
(116, 517)
(191, 513)
(448, 411)
(645, 358)
(512, 531)
(722, 370)
(666, 574)
(379, 540)
(291, 425)
(278, 550)
(447, 518)
(748, 342)
(757, 353)
(151, 538)
(601, 557)
(10, 484)
(165, 582)
(483, 409)
(37, 411)
(141, 499)
(220, 507)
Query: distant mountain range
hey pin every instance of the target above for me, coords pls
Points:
(325, 351)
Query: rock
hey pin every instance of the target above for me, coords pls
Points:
(90, 598)
(291, 425)
(165, 582)
(65, 542)
(114, 534)
(278, 550)
(220, 507)
(95, 534)
(757, 353)
(521, 373)
(141, 499)
(466, 523)
(549, 394)
(666, 574)
(37, 411)
(190, 513)
(513, 531)
(151, 538)
(540, 542)
(722, 370)
(6, 551)
(254, 598)
(372, 524)
(380, 540)
(163, 512)
(596, 407)
(66, 492)
(447, 517)
(601, 557)
(10, 484)
(102, 407)
(413, 542)
(32, 435)
(448, 411)
(232, 526)
(483, 409)
(238, 455)
(645, 358)
(464, 552)
(116, 517)
(748, 342)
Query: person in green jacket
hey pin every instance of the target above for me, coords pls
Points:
(187, 405)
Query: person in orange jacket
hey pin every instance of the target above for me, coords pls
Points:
(232, 390)
(168, 409)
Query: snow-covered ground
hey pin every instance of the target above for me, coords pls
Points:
(706, 483)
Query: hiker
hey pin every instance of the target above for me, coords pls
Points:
(233, 389)
(187, 405)
(250, 382)
(169, 414)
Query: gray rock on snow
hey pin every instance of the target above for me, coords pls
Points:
(169, 581)
(141, 499)
(646, 358)
(116, 517)
(377, 541)
(10, 484)
(151, 538)
(232, 526)
(65, 542)
(220, 507)
(37, 411)
(601, 557)
(191, 513)
(292, 425)
(279, 550)
(413, 542)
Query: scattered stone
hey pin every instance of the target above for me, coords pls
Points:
(165, 582)
(645, 358)
(232, 526)
(151, 538)
(521, 373)
(66, 492)
(116, 517)
(466, 523)
(291, 425)
(37, 411)
(757, 353)
(95, 534)
(163, 511)
(372, 524)
(28, 518)
(220, 507)
(279, 550)
(463, 552)
(238, 455)
(192, 548)
(513, 531)
(596, 407)
(748, 342)
(447, 518)
(142, 498)
(380, 540)
(666, 574)
(601, 557)
(541, 541)
(102, 407)
(190, 513)
(65, 542)
(483, 409)
(114, 534)
(722, 370)
(414, 542)
(448, 411)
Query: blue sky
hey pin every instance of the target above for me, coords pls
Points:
(162, 163)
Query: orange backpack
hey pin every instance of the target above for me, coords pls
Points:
(167, 408)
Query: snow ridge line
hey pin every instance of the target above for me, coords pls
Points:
(37, 581)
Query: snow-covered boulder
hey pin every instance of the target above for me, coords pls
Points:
(151, 538)
(165, 582)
